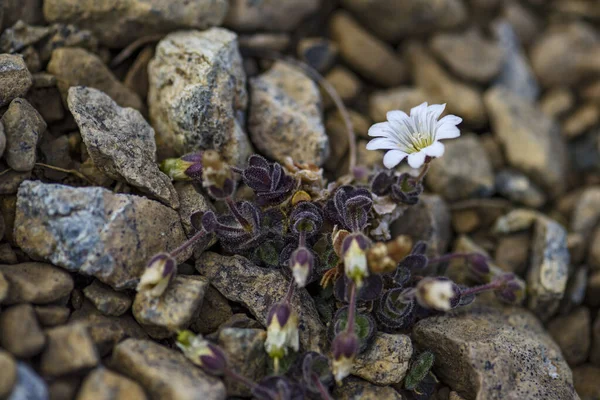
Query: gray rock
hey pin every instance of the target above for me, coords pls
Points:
(52, 315)
(515, 75)
(120, 143)
(487, 346)
(8, 379)
(62, 35)
(549, 268)
(21, 35)
(465, 171)
(214, 312)
(70, 349)
(374, 59)
(428, 220)
(469, 54)
(79, 67)
(265, 15)
(355, 389)
(394, 20)
(386, 361)
(94, 231)
(23, 127)
(197, 95)
(517, 187)
(15, 78)
(103, 384)
(572, 333)
(585, 379)
(106, 300)
(20, 332)
(127, 20)
(165, 373)
(29, 385)
(285, 116)
(174, 310)
(245, 349)
(531, 141)
(258, 289)
(36, 283)
(401, 98)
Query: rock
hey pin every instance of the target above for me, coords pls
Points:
(355, 389)
(584, 152)
(64, 388)
(103, 384)
(557, 101)
(365, 53)
(259, 289)
(52, 315)
(94, 231)
(531, 140)
(2, 140)
(572, 333)
(401, 98)
(245, 349)
(469, 55)
(516, 75)
(79, 67)
(29, 385)
(266, 41)
(365, 157)
(137, 75)
(15, 78)
(566, 54)
(318, 52)
(488, 345)
(585, 379)
(285, 116)
(8, 379)
(127, 20)
(518, 188)
(120, 143)
(338, 135)
(190, 201)
(440, 87)
(595, 351)
(575, 292)
(106, 300)
(394, 20)
(45, 97)
(594, 250)
(36, 283)
(21, 35)
(512, 252)
(23, 127)
(165, 373)
(197, 95)
(214, 312)
(7, 254)
(70, 349)
(346, 84)
(11, 180)
(464, 173)
(428, 220)
(265, 15)
(29, 11)
(548, 269)
(581, 120)
(386, 361)
(522, 20)
(62, 35)
(3, 288)
(20, 333)
(174, 310)
(56, 152)
(592, 292)
(586, 213)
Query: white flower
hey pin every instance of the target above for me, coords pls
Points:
(416, 136)
(437, 294)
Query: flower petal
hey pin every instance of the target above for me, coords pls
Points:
(382, 129)
(446, 127)
(436, 110)
(382, 143)
(396, 115)
(421, 108)
(435, 150)
(415, 160)
(393, 158)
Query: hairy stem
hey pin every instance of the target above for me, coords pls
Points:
(322, 389)
(197, 236)
(66, 171)
(290, 292)
(351, 308)
(482, 288)
(423, 172)
(250, 384)
(236, 213)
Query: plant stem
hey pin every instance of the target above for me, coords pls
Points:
(236, 213)
(302, 240)
(290, 292)
(423, 172)
(351, 308)
(66, 171)
(250, 384)
(322, 389)
(199, 235)
(482, 288)
(448, 257)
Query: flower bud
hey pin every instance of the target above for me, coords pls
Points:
(440, 294)
(337, 239)
(512, 292)
(217, 176)
(159, 272)
(202, 353)
(282, 331)
(354, 250)
(344, 350)
(177, 168)
(478, 267)
(302, 262)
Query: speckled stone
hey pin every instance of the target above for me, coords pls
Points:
(386, 361)
(15, 78)
(23, 127)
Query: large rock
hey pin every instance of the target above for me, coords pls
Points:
(465, 171)
(120, 22)
(94, 231)
(394, 20)
(285, 116)
(103, 384)
(268, 15)
(120, 142)
(165, 373)
(197, 95)
(36, 283)
(70, 349)
(386, 361)
(15, 78)
(500, 355)
(531, 141)
(258, 289)
(79, 67)
(23, 127)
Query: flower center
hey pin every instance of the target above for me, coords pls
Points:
(417, 142)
